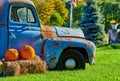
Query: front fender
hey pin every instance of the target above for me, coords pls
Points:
(54, 48)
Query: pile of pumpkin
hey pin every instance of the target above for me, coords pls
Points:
(26, 52)
(23, 62)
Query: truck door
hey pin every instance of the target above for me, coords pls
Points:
(24, 28)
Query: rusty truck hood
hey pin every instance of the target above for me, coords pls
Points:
(51, 31)
(69, 32)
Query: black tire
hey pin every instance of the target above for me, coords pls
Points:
(74, 54)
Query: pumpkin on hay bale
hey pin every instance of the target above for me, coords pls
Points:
(11, 55)
(15, 68)
(27, 52)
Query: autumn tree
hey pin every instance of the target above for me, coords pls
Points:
(47, 8)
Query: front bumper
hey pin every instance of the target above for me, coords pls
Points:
(92, 57)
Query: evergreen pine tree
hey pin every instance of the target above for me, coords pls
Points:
(92, 22)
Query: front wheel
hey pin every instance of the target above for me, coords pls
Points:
(71, 59)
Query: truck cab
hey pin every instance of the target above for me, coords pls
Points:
(61, 48)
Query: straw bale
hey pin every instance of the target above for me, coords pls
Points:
(1, 67)
(14, 68)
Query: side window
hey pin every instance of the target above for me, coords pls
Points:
(30, 16)
(22, 14)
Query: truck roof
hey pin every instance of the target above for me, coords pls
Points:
(4, 8)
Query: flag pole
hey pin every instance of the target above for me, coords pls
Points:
(71, 15)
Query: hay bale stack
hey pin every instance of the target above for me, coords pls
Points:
(11, 68)
(1, 67)
(15, 68)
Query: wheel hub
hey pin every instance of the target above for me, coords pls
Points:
(70, 63)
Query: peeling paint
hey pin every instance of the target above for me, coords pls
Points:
(48, 32)
(49, 35)
(56, 44)
(46, 28)
(52, 59)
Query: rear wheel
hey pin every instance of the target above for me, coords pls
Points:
(71, 59)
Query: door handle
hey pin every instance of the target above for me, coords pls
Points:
(12, 36)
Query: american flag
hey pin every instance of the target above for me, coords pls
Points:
(74, 2)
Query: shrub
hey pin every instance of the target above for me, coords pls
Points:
(56, 19)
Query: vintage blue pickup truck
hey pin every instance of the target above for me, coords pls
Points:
(60, 47)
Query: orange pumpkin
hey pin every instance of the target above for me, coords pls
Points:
(27, 52)
(12, 55)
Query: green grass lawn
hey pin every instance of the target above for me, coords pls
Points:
(107, 68)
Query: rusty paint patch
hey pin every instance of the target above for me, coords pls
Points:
(2, 2)
(47, 32)
(3, 25)
(43, 48)
(46, 28)
(52, 59)
(89, 43)
(56, 44)
(73, 38)
(49, 35)
(65, 38)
